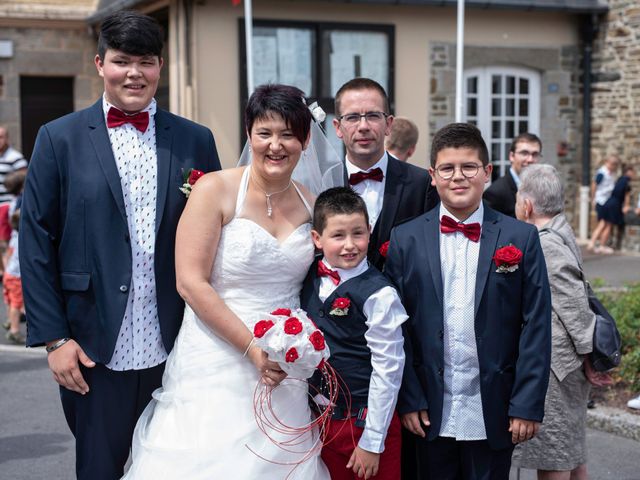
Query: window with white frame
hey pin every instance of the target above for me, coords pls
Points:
(502, 102)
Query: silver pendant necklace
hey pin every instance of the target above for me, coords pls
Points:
(269, 195)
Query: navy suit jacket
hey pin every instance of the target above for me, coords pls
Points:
(407, 193)
(512, 322)
(75, 252)
(501, 195)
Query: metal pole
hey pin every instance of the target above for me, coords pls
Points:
(248, 33)
(459, 60)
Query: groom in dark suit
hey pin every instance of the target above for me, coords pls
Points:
(393, 191)
(478, 339)
(99, 214)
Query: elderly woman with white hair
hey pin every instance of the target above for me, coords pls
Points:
(558, 452)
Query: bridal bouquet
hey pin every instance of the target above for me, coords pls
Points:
(290, 338)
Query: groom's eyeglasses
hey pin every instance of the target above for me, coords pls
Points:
(351, 119)
(468, 170)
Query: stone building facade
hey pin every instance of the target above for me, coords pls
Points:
(47, 39)
(616, 98)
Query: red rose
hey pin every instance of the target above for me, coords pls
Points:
(384, 248)
(292, 326)
(291, 355)
(317, 340)
(341, 303)
(261, 328)
(282, 311)
(507, 256)
(194, 176)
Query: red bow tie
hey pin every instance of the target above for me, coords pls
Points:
(116, 118)
(376, 175)
(324, 271)
(469, 230)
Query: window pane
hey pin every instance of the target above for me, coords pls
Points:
(509, 127)
(472, 85)
(472, 121)
(472, 107)
(495, 129)
(523, 127)
(524, 86)
(511, 84)
(496, 104)
(496, 84)
(355, 54)
(284, 55)
(506, 146)
(495, 152)
(510, 105)
(524, 107)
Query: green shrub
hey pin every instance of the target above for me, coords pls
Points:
(625, 308)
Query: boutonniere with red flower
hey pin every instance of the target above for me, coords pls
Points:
(189, 179)
(507, 258)
(384, 248)
(340, 307)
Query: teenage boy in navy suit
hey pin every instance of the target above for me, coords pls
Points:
(99, 215)
(360, 314)
(475, 287)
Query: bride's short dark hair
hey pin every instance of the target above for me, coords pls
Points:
(284, 100)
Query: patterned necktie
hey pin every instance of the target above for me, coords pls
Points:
(376, 175)
(469, 230)
(116, 118)
(324, 271)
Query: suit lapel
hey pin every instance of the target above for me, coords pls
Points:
(488, 241)
(164, 139)
(394, 184)
(432, 232)
(102, 146)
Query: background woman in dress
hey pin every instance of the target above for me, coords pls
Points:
(558, 452)
(243, 248)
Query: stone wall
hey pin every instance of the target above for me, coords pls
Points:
(43, 51)
(560, 100)
(616, 95)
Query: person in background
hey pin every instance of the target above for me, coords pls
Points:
(401, 142)
(558, 452)
(12, 285)
(617, 206)
(601, 189)
(525, 150)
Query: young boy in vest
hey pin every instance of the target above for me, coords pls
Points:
(360, 314)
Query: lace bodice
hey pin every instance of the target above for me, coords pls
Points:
(253, 272)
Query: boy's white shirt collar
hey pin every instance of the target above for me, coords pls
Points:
(346, 274)
(477, 216)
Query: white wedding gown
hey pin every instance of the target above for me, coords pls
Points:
(201, 423)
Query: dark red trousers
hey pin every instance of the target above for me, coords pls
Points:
(345, 436)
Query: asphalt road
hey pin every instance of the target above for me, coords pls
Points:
(36, 444)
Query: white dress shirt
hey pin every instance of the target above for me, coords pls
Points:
(385, 316)
(515, 176)
(462, 416)
(372, 192)
(139, 344)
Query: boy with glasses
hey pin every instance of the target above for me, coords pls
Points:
(526, 149)
(393, 191)
(478, 338)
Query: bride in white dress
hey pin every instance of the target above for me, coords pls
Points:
(243, 248)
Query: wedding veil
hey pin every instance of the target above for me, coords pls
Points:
(319, 167)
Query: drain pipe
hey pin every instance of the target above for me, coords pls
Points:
(589, 30)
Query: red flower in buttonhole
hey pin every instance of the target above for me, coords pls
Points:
(291, 355)
(292, 326)
(317, 340)
(194, 175)
(384, 248)
(507, 258)
(282, 311)
(341, 302)
(261, 327)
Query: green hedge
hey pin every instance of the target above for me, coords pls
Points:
(625, 308)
